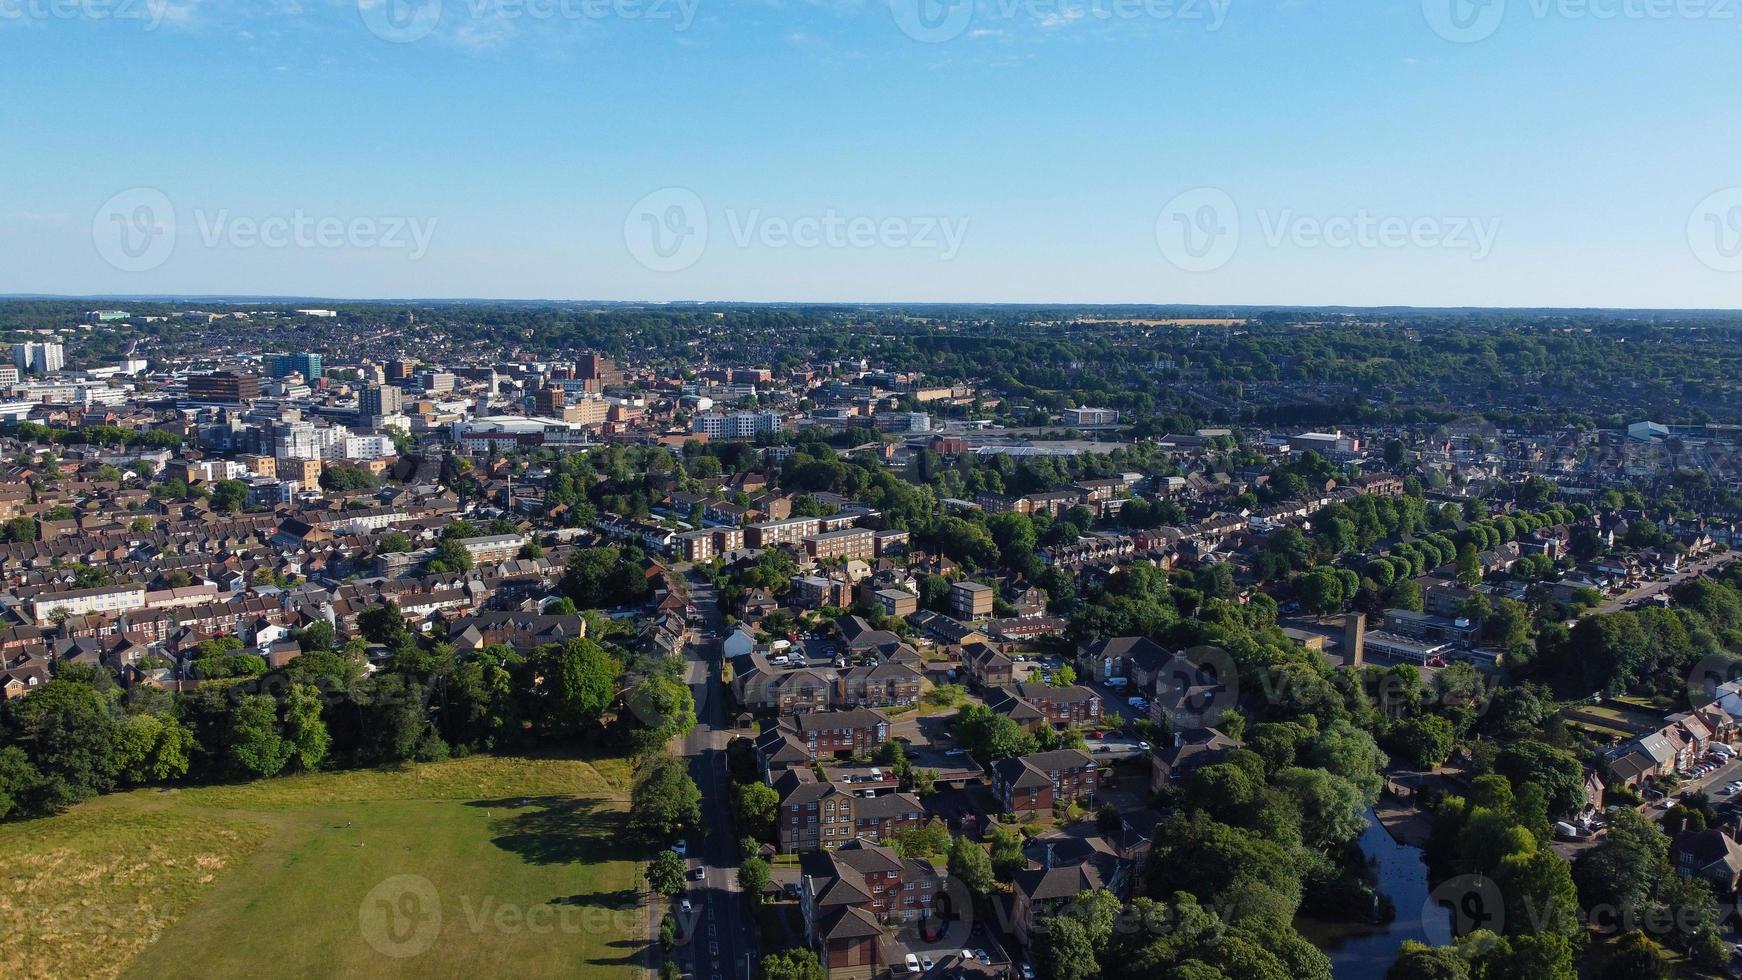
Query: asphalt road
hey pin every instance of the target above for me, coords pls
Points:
(724, 936)
(1649, 589)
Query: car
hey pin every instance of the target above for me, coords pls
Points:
(980, 955)
(925, 962)
(698, 872)
(681, 848)
(1100, 734)
(1143, 746)
(967, 956)
(685, 907)
(912, 963)
(1027, 972)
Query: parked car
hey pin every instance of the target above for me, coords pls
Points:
(912, 963)
(682, 848)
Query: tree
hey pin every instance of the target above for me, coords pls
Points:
(753, 876)
(1332, 810)
(990, 736)
(970, 865)
(754, 807)
(1065, 676)
(20, 784)
(1064, 951)
(66, 729)
(1006, 853)
(383, 624)
(452, 555)
(1635, 957)
(393, 543)
(1418, 962)
(665, 873)
(255, 746)
(580, 680)
(152, 749)
(664, 799)
(1422, 742)
(1555, 770)
(798, 963)
(1469, 566)
(229, 495)
(1624, 870)
(1351, 753)
(304, 731)
(317, 636)
(1321, 590)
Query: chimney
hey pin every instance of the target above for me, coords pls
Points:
(1355, 640)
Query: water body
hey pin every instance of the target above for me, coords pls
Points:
(1366, 952)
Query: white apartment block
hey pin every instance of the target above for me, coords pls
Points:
(104, 601)
(40, 358)
(738, 425)
(367, 447)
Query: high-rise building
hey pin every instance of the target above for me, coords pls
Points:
(307, 365)
(43, 358)
(595, 367)
(398, 371)
(435, 382)
(549, 402)
(223, 386)
(376, 401)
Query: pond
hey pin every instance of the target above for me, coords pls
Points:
(1362, 952)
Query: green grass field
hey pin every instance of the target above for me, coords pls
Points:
(480, 866)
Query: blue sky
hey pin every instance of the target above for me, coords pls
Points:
(1169, 151)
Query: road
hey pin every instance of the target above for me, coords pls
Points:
(723, 934)
(1657, 587)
